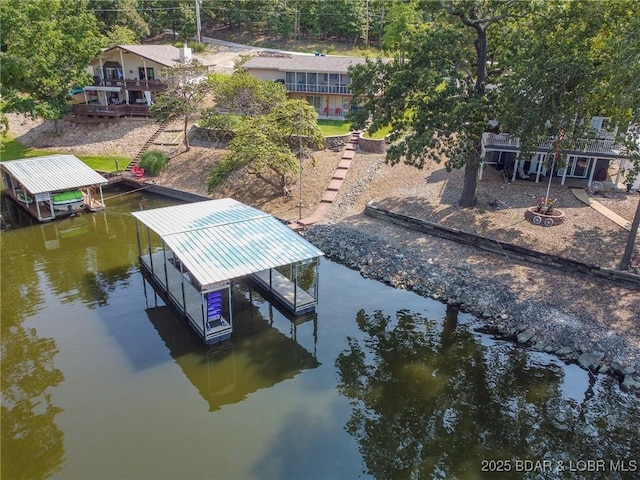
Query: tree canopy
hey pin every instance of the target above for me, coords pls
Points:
(244, 94)
(271, 146)
(434, 96)
(537, 68)
(46, 47)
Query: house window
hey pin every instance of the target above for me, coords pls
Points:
(112, 73)
(577, 167)
(290, 77)
(315, 101)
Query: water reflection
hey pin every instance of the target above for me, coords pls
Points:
(28, 372)
(76, 259)
(259, 355)
(430, 400)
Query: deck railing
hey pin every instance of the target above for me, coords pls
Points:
(141, 85)
(96, 110)
(315, 88)
(586, 145)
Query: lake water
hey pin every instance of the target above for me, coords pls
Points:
(101, 380)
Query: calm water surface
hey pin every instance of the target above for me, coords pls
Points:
(101, 380)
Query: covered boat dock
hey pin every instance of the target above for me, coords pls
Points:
(194, 251)
(52, 186)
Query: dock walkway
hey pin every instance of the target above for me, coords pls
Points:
(614, 217)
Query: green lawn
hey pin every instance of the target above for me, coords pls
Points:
(334, 127)
(380, 134)
(11, 149)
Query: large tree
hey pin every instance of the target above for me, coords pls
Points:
(569, 62)
(184, 99)
(435, 94)
(244, 94)
(46, 47)
(272, 146)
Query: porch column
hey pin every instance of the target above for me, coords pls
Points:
(592, 171)
(620, 160)
(515, 169)
(564, 174)
(101, 76)
(144, 64)
(541, 159)
(124, 70)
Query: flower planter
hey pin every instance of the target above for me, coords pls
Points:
(547, 219)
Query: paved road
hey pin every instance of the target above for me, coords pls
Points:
(226, 54)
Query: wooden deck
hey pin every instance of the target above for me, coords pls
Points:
(92, 204)
(282, 289)
(193, 298)
(45, 212)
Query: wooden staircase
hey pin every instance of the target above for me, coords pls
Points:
(150, 141)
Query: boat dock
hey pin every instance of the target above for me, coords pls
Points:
(194, 251)
(185, 297)
(51, 186)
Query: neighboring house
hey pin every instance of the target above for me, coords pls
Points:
(321, 80)
(589, 161)
(127, 78)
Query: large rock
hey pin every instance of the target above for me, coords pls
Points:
(590, 360)
(630, 383)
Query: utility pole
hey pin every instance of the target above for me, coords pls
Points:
(381, 28)
(366, 28)
(198, 25)
(626, 258)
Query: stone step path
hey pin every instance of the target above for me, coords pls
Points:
(149, 143)
(338, 178)
(613, 216)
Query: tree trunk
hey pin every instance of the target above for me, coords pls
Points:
(186, 133)
(468, 197)
(56, 126)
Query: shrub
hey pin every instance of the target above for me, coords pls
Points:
(194, 46)
(220, 172)
(153, 161)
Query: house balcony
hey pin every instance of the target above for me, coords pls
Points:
(110, 111)
(318, 88)
(504, 141)
(131, 85)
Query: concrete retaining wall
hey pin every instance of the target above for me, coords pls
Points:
(504, 249)
(372, 145)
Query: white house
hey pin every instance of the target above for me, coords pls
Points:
(589, 160)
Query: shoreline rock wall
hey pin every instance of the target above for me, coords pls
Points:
(508, 314)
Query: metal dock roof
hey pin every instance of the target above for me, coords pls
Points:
(219, 240)
(52, 173)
